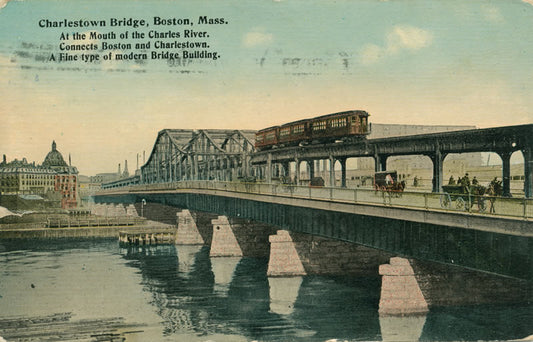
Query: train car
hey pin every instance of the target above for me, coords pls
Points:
(293, 133)
(349, 125)
(266, 138)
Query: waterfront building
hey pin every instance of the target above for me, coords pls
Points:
(21, 177)
(54, 179)
(65, 178)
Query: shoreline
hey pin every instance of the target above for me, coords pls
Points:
(22, 231)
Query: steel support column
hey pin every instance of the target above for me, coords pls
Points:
(227, 169)
(286, 169)
(343, 172)
(196, 170)
(180, 168)
(324, 169)
(437, 160)
(269, 169)
(296, 171)
(528, 172)
(234, 169)
(208, 164)
(331, 171)
(380, 162)
(245, 164)
(311, 164)
(506, 172)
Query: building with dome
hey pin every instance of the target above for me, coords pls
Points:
(53, 179)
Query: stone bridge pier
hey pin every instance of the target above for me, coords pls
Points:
(409, 288)
(289, 253)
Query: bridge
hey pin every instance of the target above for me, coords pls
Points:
(219, 172)
(230, 154)
(412, 224)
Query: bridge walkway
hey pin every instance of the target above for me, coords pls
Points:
(485, 206)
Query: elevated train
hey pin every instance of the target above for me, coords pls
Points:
(348, 125)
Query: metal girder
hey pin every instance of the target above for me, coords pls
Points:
(510, 138)
(198, 154)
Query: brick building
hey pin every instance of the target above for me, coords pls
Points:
(54, 178)
(66, 177)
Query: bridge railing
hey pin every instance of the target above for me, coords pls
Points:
(472, 204)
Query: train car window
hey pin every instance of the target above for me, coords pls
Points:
(319, 125)
(284, 131)
(340, 122)
(297, 129)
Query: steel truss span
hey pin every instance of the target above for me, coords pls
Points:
(180, 154)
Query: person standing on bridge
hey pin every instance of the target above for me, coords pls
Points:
(492, 193)
(466, 180)
(465, 184)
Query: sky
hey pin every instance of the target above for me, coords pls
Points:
(405, 62)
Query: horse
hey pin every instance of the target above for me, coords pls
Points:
(479, 191)
(494, 190)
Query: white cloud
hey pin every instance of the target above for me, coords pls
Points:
(252, 39)
(407, 37)
(402, 37)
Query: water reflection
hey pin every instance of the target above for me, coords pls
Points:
(182, 294)
(223, 270)
(222, 296)
(187, 257)
(283, 294)
(401, 328)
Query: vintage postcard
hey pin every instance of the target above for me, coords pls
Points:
(382, 148)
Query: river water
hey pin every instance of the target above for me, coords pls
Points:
(179, 293)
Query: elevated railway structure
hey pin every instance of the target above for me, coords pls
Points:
(502, 140)
(230, 155)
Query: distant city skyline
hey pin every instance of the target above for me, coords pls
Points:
(417, 62)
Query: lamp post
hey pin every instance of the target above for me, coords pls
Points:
(143, 203)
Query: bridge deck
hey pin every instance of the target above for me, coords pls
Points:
(512, 215)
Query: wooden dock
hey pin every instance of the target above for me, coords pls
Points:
(161, 237)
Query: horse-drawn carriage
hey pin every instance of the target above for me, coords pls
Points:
(388, 181)
(463, 197)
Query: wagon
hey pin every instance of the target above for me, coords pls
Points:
(463, 197)
(388, 181)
